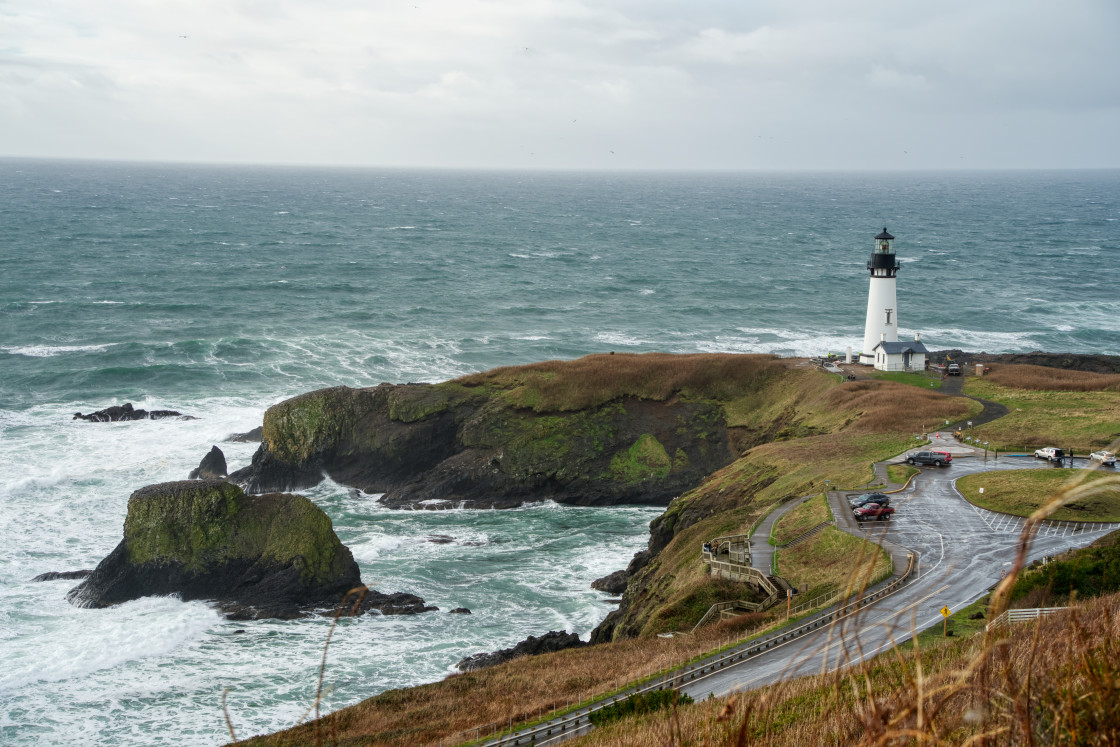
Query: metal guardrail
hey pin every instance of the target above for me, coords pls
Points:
(570, 724)
(1008, 617)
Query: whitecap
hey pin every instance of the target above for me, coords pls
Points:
(619, 338)
(49, 351)
(646, 292)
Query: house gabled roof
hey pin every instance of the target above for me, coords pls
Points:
(897, 348)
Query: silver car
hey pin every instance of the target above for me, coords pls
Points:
(1106, 458)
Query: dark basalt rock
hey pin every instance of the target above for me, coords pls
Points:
(212, 466)
(460, 611)
(435, 447)
(67, 575)
(614, 583)
(273, 556)
(249, 437)
(126, 411)
(554, 640)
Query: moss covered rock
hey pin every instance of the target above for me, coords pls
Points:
(432, 446)
(270, 555)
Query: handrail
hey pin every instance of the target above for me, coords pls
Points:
(805, 535)
(677, 678)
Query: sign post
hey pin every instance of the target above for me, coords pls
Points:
(945, 622)
(789, 598)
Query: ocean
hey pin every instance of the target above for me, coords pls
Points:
(220, 290)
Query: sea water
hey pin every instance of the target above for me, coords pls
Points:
(219, 291)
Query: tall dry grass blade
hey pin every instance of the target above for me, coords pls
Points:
(225, 712)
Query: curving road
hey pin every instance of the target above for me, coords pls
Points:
(963, 551)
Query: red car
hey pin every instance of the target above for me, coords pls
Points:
(873, 511)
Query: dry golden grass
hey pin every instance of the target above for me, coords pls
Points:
(559, 386)
(890, 407)
(524, 689)
(1054, 683)
(1043, 378)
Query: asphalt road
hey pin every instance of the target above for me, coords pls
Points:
(963, 551)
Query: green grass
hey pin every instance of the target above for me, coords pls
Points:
(960, 624)
(1022, 492)
(900, 473)
(911, 379)
(1085, 421)
(833, 559)
(809, 514)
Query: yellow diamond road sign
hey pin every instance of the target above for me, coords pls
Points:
(945, 612)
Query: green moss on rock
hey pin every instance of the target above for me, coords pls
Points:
(646, 459)
(202, 525)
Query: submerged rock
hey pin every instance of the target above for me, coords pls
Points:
(249, 437)
(257, 556)
(554, 640)
(212, 466)
(66, 575)
(126, 411)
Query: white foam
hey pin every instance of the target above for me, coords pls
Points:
(49, 351)
(619, 338)
(77, 642)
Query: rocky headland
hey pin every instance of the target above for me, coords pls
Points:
(602, 430)
(256, 556)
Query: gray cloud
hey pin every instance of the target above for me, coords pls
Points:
(811, 84)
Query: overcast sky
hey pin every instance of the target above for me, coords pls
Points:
(612, 84)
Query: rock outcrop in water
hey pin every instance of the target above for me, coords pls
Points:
(257, 556)
(483, 445)
(127, 412)
(554, 640)
(212, 466)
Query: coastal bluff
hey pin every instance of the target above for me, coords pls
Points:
(257, 556)
(600, 430)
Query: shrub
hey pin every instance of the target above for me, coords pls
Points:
(639, 703)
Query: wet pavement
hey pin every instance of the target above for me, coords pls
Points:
(962, 552)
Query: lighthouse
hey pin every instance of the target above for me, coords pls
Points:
(882, 301)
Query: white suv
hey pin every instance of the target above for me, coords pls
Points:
(1106, 458)
(1050, 454)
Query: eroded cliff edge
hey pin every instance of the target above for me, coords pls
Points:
(602, 430)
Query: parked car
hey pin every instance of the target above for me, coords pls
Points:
(1050, 454)
(936, 458)
(953, 369)
(867, 498)
(1106, 458)
(873, 511)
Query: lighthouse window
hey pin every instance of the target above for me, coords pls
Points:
(889, 312)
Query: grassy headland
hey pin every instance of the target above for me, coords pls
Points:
(796, 428)
(1049, 407)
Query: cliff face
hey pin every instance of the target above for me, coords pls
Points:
(259, 556)
(435, 445)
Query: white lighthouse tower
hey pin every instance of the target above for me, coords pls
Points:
(882, 300)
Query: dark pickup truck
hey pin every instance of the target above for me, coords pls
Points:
(936, 458)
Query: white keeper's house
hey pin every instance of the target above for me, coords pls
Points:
(881, 347)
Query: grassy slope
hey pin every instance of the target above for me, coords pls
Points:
(833, 559)
(809, 514)
(818, 429)
(1050, 407)
(1093, 495)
